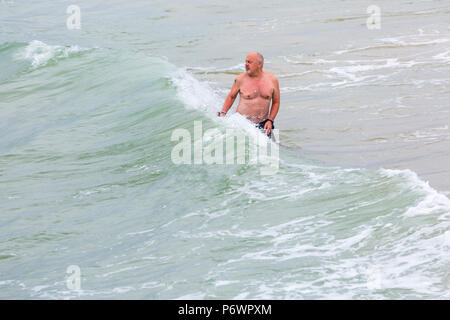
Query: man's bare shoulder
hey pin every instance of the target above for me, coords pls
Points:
(241, 79)
(270, 76)
(242, 76)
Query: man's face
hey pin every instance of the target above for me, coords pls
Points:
(251, 64)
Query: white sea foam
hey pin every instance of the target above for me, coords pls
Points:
(298, 74)
(300, 59)
(39, 53)
(350, 242)
(432, 202)
(444, 56)
(339, 52)
(399, 42)
(311, 87)
(413, 40)
(195, 94)
(351, 71)
(348, 73)
(427, 135)
(239, 67)
(242, 295)
(221, 283)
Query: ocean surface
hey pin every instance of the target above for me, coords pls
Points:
(93, 205)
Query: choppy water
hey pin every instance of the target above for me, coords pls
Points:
(87, 178)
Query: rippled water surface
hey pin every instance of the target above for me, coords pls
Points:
(358, 207)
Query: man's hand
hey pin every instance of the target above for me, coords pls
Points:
(268, 127)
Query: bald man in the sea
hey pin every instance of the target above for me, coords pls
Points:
(256, 89)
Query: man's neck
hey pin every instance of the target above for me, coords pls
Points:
(257, 74)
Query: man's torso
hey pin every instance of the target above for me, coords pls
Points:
(255, 97)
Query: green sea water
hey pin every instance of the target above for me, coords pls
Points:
(87, 176)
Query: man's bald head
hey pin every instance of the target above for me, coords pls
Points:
(258, 56)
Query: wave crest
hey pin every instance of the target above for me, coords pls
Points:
(40, 53)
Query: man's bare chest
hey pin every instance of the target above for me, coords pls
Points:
(257, 89)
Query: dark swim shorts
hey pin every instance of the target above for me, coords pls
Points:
(261, 126)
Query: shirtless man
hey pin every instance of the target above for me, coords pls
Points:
(256, 88)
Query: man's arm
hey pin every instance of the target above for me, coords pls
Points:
(275, 100)
(275, 105)
(230, 98)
